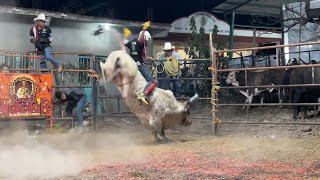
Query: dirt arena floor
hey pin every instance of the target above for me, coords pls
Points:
(122, 149)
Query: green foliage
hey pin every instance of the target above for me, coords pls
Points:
(197, 45)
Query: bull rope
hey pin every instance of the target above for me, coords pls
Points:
(171, 67)
(215, 89)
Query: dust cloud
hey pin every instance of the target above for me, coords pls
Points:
(24, 156)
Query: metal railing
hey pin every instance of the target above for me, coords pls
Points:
(215, 70)
(32, 57)
(212, 63)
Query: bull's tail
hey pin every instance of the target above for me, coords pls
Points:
(189, 101)
(103, 75)
(193, 98)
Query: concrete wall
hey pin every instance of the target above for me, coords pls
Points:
(68, 35)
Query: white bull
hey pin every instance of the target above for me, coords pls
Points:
(163, 111)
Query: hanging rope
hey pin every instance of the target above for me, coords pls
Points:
(215, 89)
(155, 68)
(160, 68)
(217, 121)
(93, 73)
(172, 66)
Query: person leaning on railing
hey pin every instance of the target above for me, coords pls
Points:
(76, 99)
(40, 36)
(4, 68)
(5, 82)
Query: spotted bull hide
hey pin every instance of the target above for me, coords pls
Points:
(163, 111)
(256, 78)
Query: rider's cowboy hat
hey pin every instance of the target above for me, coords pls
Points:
(167, 46)
(40, 17)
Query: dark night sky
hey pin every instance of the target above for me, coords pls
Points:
(164, 11)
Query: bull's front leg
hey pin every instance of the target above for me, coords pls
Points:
(296, 111)
(155, 135)
(250, 98)
(155, 124)
(116, 71)
(296, 98)
(244, 107)
(305, 112)
(163, 136)
(261, 100)
(281, 97)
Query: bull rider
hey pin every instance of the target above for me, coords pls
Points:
(137, 48)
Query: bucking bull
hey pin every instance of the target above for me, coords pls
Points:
(163, 111)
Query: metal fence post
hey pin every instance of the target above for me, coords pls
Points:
(94, 94)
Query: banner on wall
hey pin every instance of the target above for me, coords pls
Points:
(182, 25)
(25, 95)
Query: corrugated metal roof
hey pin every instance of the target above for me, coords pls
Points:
(253, 7)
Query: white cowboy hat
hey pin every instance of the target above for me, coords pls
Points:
(167, 46)
(40, 17)
(147, 35)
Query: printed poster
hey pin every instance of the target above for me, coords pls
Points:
(25, 95)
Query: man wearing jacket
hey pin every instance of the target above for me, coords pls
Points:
(76, 98)
(40, 36)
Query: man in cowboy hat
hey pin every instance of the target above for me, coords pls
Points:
(40, 36)
(137, 49)
(165, 83)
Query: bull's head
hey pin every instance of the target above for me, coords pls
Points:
(232, 78)
(186, 121)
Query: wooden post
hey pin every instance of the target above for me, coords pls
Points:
(51, 124)
(254, 52)
(51, 116)
(277, 57)
(214, 97)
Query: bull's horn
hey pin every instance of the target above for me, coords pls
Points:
(193, 98)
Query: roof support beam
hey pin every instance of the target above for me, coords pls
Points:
(271, 14)
(238, 6)
(231, 35)
(253, 5)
